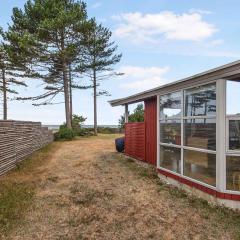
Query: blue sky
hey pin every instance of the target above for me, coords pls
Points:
(161, 41)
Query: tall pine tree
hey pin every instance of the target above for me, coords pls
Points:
(47, 34)
(98, 58)
(11, 73)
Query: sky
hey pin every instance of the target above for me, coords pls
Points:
(161, 41)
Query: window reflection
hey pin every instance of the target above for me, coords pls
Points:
(200, 133)
(170, 158)
(233, 173)
(170, 132)
(200, 166)
(201, 101)
(233, 90)
(170, 105)
(234, 134)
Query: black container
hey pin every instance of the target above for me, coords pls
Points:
(119, 142)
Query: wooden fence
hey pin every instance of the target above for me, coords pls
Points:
(135, 140)
(18, 140)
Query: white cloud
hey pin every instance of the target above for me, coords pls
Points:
(144, 28)
(143, 78)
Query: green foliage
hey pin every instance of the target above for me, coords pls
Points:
(64, 133)
(136, 116)
(77, 122)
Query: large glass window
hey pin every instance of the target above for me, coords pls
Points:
(196, 117)
(170, 105)
(200, 101)
(170, 131)
(170, 158)
(200, 133)
(200, 166)
(233, 173)
(233, 134)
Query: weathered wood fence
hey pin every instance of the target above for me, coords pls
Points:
(19, 139)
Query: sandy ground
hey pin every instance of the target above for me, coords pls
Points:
(87, 191)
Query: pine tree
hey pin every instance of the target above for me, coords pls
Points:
(47, 34)
(98, 58)
(11, 74)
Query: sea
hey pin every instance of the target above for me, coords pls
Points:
(56, 127)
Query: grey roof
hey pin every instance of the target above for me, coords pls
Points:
(231, 70)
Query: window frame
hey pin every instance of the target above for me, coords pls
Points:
(229, 152)
(182, 146)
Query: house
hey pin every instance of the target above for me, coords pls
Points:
(191, 133)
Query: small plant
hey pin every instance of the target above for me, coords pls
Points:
(64, 133)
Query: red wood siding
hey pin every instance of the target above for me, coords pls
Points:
(151, 130)
(135, 140)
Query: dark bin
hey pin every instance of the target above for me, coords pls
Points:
(119, 142)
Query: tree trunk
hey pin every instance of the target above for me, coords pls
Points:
(95, 101)
(4, 95)
(70, 92)
(66, 97)
(66, 85)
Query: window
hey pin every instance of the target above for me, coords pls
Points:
(192, 111)
(233, 135)
(170, 158)
(200, 133)
(201, 101)
(233, 173)
(170, 131)
(200, 166)
(170, 105)
(233, 89)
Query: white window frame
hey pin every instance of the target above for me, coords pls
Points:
(183, 118)
(229, 152)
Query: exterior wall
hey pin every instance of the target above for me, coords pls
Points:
(141, 137)
(135, 140)
(151, 130)
(211, 195)
(20, 139)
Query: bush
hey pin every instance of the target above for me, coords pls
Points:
(64, 133)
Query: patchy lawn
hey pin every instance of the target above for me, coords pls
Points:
(83, 189)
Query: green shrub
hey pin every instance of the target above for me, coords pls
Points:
(64, 133)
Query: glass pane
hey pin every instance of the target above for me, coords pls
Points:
(170, 131)
(170, 158)
(233, 90)
(234, 134)
(200, 133)
(200, 166)
(201, 101)
(170, 105)
(233, 173)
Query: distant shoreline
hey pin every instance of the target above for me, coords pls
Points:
(55, 126)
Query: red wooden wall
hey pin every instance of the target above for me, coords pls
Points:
(150, 118)
(141, 138)
(135, 140)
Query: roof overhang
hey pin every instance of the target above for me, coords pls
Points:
(228, 71)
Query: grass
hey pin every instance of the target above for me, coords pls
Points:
(19, 187)
(224, 217)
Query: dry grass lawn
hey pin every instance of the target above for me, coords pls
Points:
(83, 189)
